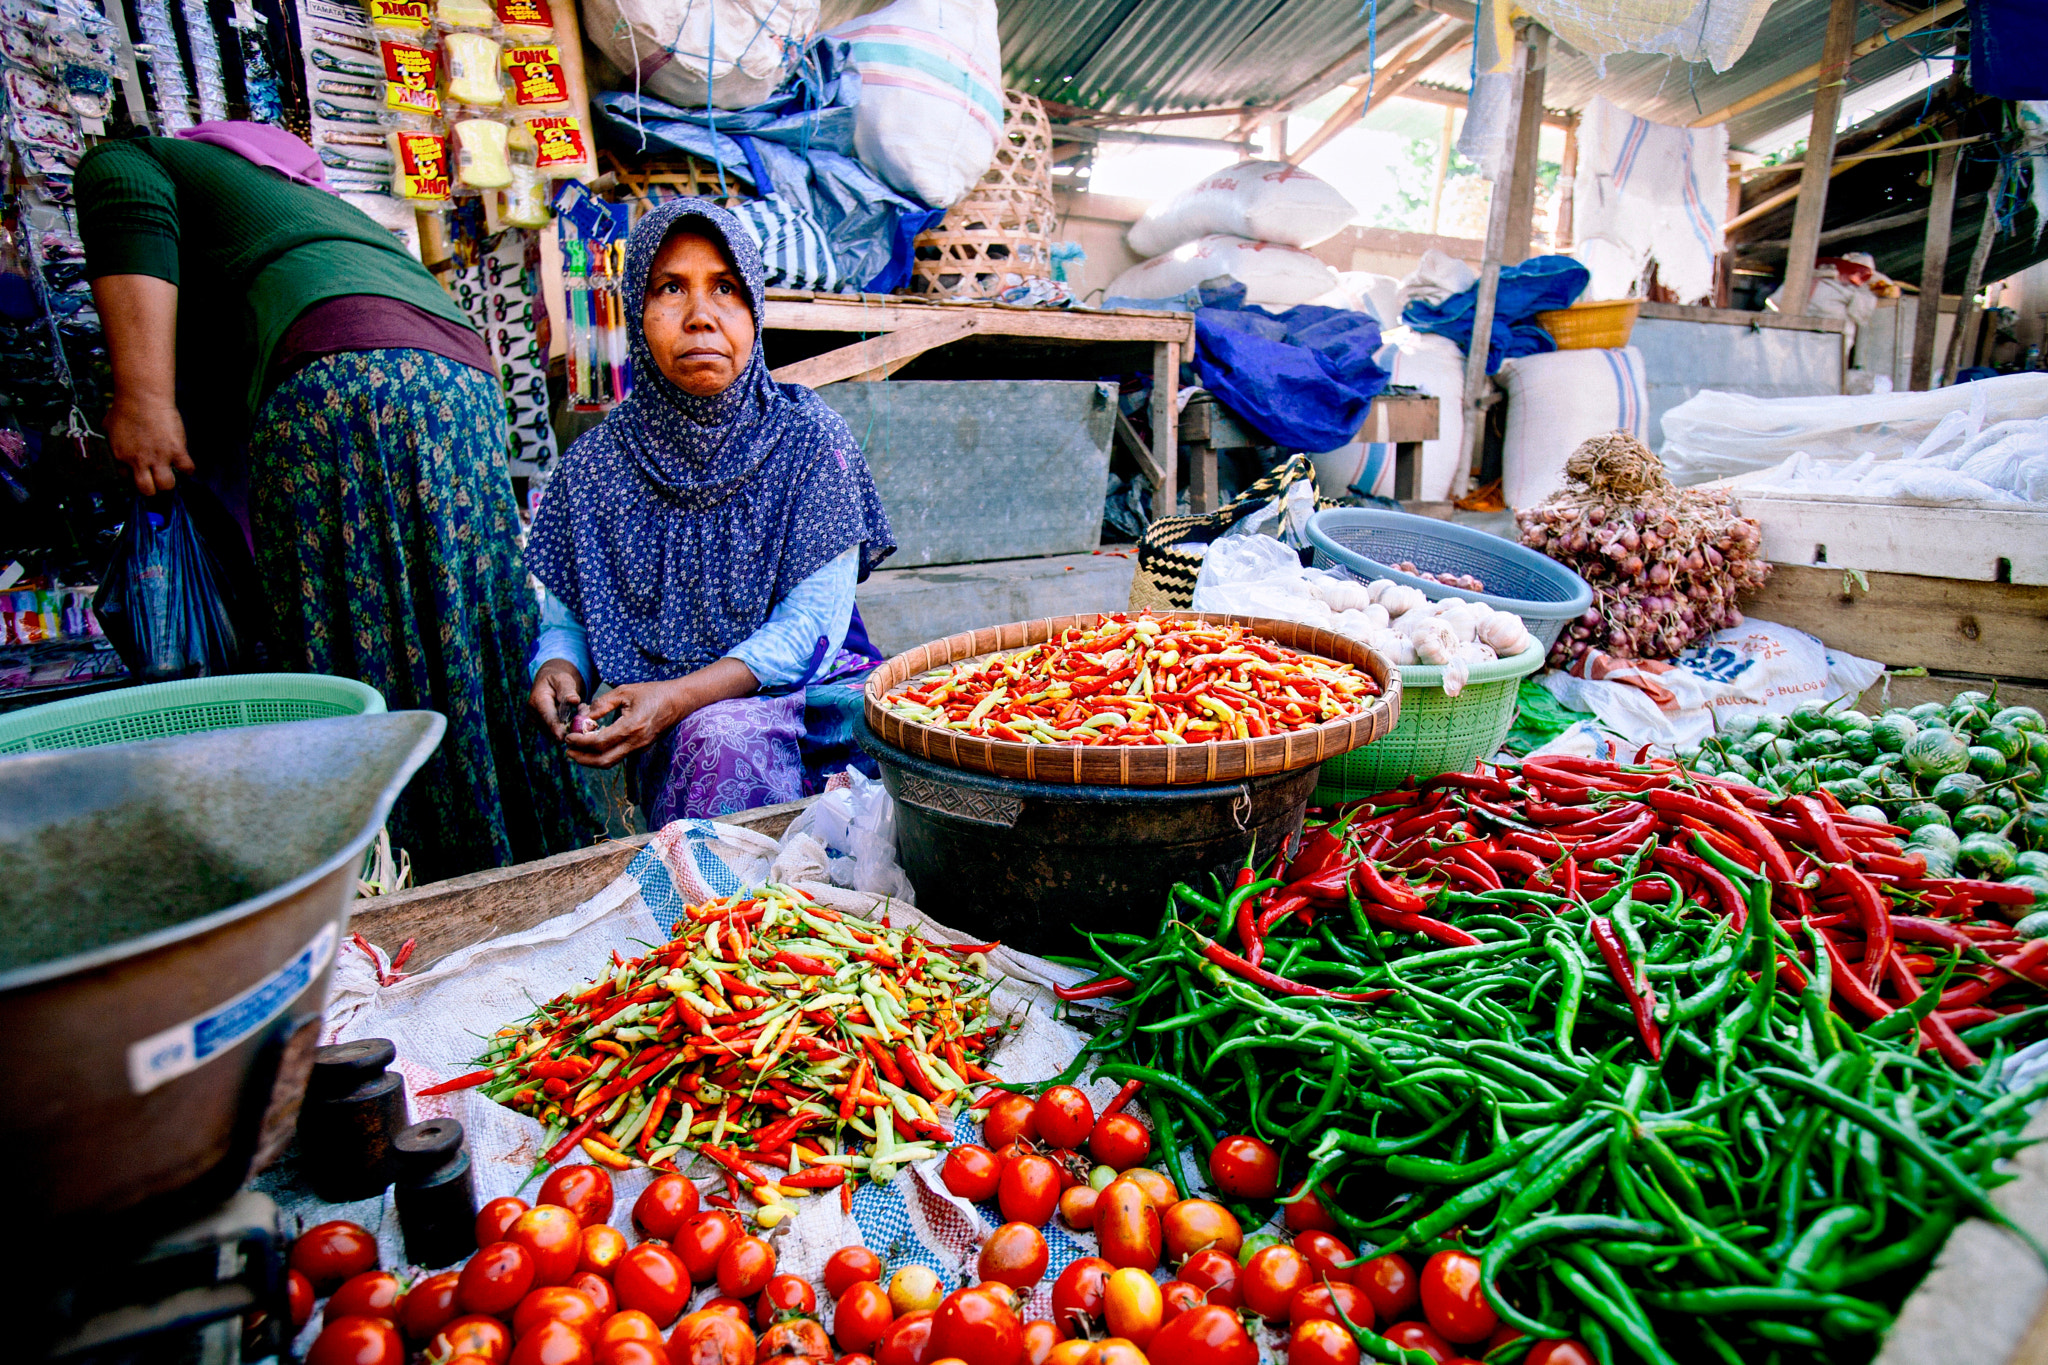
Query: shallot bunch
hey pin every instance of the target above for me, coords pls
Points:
(1665, 563)
(1449, 580)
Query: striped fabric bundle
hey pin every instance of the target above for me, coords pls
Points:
(931, 104)
(793, 244)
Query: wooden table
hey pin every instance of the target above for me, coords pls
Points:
(1403, 421)
(896, 329)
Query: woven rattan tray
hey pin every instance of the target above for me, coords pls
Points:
(1146, 765)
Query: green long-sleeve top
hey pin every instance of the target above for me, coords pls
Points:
(249, 250)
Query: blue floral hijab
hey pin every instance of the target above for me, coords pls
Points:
(675, 525)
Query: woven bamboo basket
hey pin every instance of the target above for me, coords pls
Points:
(677, 176)
(1149, 765)
(1001, 233)
(1602, 326)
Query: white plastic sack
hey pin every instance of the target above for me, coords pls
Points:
(731, 52)
(849, 834)
(931, 94)
(1436, 277)
(1272, 275)
(1557, 400)
(1629, 713)
(1435, 365)
(1268, 201)
(1763, 668)
(1715, 435)
(1648, 192)
(2006, 462)
(1361, 291)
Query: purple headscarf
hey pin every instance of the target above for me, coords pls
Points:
(263, 144)
(675, 525)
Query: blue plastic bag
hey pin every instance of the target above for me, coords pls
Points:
(1527, 289)
(1303, 378)
(162, 602)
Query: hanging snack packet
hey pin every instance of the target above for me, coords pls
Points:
(409, 84)
(475, 15)
(535, 72)
(559, 143)
(473, 65)
(482, 154)
(402, 18)
(525, 201)
(420, 167)
(525, 20)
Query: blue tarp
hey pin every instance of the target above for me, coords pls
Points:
(1304, 378)
(802, 140)
(2007, 38)
(1525, 290)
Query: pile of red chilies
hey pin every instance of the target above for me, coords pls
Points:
(1549, 824)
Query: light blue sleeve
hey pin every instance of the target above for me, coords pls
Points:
(562, 637)
(785, 650)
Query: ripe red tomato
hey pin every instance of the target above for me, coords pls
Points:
(1272, 1277)
(785, 1294)
(907, 1342)
(597, 1289)
(1417, 1336)
(1177, 1297)
(1134, 1307)
(1078, 1294)
(1321, 1342)
(795, 1339)
(496, 1218)
(477, 1335)
(329, 1253)
(1158, 1189)
(702, 1239)
(1566, 1352)
(1322, 1301)
(1063, 1117)
(1389, 1281)
(585, 1191)
(1077, 1207)
(665, 1203)
(1014, 1254)
(495, 1279)
(862, 1315)
(978, 1328)
(633, 1326)
(558, 1303)
(1120, 1142)
(372, 1294)
(1029, 1190)
(745, 1267)
(1307, 1213)
(357, 1341)
(1072, 1166)
(972, 1172)
(554, 1237)
(1453, 1299)
(632, 1352)
(599, 1248)
(706, 1338)
(429, 1306)
(1039, 1339)
(298, 1291)
(1245, 1167)
(1207, 1335)
(1191, 1225)
(1010, 1119)
(1325, 1254)
(848, 1266)
(654, 1280)
(732, 1308)
(1127, 1225)
(552, 1342)
(1216, 1274)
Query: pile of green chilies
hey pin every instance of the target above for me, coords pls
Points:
(1768, 1190)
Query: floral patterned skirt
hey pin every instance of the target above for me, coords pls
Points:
(384, 528)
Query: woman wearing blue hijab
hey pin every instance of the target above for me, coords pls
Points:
(700, 546)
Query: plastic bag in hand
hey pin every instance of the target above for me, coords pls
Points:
(162, 601)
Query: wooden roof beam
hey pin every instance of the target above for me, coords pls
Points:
(1402, 70)
(1806, 75)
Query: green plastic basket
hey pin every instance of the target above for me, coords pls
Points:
(190, 705)
(1436, 733)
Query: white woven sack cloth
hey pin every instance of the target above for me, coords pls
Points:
(1273, 276)
(1558, 399)
(728, 53)
(437, 1018)
(1648, 192)
(1714, 31)
(1268, 201)
(931, 94)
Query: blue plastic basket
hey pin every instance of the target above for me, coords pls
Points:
(1365, 542)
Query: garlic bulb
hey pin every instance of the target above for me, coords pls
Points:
(1378, 587)
(1505, 633)
(1456, 675)
(1464, 618)
(1473, 652)
(1434, 642)
(1375, 616)
(1344, 595)
(1396, 647)
(1399, 599)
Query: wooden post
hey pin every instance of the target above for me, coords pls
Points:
(1960, 351)
(1724, 266)
(1820, 156)
(1166, 424)
(1528, 135)
(1941, 207)
(1567, 187)
(1443, 169)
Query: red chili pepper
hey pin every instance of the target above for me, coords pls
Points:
(734, 986)
(1874, 915)
(1519, 861)
(821, 1177)
(913, 1069)
(655, 1110)
(1642, 1003)
(1279, 985)
(1848, 986)
(1095, 990)
(611, 1090)
(885, 1065)
(1625, 839)
(468, 1082)
(1818, 824)
(1467, 857)
(849, 1097)
(1123, 1097)
(1987, 893)
(1374, 887)
(1935, 1031)
(569, 1141)
(1732, 904)
(1409, 923)
(798, 962)
(778, 1134)
(2025, 963)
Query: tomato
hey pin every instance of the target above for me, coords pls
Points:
(1177, 1297)
(496, 1218)
(785, 1294)
(1566, 1352)
(551, 1342)
(585, 1191)
(654, 1280)
(1078, 1294)
(1133, 1307)
(795, 1339)
(1324, 1301)
(1271, 1280)
(1502, 1335)
(1015, 1254)
(1325, 1254)
(707, 1338)
(1010, 1297)
(629, 1326)
(732, 1308)
(477, 1335)
(1074, 1351)
(329, 1253)
(1127, 1225)
(1453, 1300)
(1307, 1213)
(665, 1203)
(1389, 1281)
(1015, 1148)
(1077, 1207)
(908, 1341)
(978, 1328)
(1028, 1191)
(599, 1248)
(972, 1172)
(554, 1237)
(862, 1315)
(1119, 1351)
(632, 1352)
(298, 1292)
(1245, 1167)
(744, 1267)
(1208, 1335)
(914, 1289)
(1072, 1166)
(495, 1279)
(1416, 1336)
(1157, 1187)
(1039, 1339)
(1010, 1119)
(702, 1238)
(1120, 1141)
(372, 1294)
(597, 1289)
(1321, 1342)
(1190, 1225)
(357, 1341)
(1216, 1274)
(848, 1266)
(556, 1303)
(1063, 1117)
